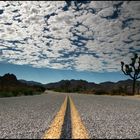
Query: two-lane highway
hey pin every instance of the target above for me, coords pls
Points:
(63, 115)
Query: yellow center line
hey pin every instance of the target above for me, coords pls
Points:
(54, 132)
(78, 129)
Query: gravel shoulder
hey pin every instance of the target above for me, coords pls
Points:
(28, 116)
(109, 117)
(134, 97)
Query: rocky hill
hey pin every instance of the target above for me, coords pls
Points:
(11, 86)
(120, 87)
(30, 82)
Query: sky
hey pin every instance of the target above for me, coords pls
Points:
(47, 41)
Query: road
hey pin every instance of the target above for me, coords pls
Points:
(109, 117)
(99, 116)
(28, 116)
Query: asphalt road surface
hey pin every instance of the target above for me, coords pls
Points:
(109, 117)
(28, 116)
(103, 116)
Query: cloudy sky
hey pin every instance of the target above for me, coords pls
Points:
(74, 39)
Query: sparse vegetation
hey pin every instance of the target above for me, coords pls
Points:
(21, 91)
(132, 70)
(10, 86)
(80, 86)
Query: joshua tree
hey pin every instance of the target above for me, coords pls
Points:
(132, 70)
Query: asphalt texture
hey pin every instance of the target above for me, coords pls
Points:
(28, 116)
(105, 117)
(66, 132)
(109, 117)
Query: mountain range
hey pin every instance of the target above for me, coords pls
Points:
(30, 82)
(82, 86)
(10, 84)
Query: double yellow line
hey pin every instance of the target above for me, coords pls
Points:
(78, 129)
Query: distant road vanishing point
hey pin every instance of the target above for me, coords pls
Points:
(69, 116)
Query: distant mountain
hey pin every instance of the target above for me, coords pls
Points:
(72, 86)
(9, 80)
(120, 86)
(124, 86)
(30, 82)
(11, 86)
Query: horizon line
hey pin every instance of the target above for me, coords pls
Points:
(65, 80)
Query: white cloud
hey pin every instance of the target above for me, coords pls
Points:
(89, 62)
(106, 12)
(98, 43)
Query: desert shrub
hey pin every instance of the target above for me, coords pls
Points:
(27, 92)
(6, 94)
(15, 93)
(100, 92)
